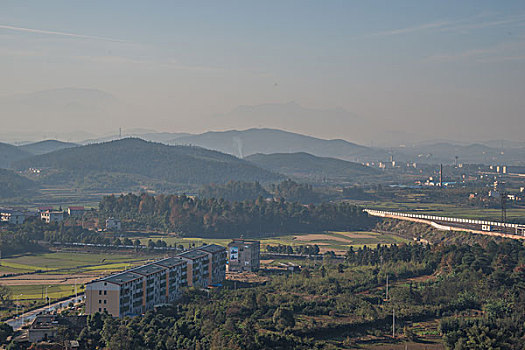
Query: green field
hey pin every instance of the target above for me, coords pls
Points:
(69, 262)
(35, 292)
(338, 241)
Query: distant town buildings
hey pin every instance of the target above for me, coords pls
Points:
(51, 215)
(137, 290)
(113, 224)
(75, 211)
(12, 216)
(244, 255)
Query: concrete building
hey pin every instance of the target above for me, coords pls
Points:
(12, 216)
(137, 290)
(52, 216)
(177, 277)
(154, 283)
(119, 295)
(113, 224)
(197, 268)
(216, 262)
(244, 255)
(75, 211)
(46, 327)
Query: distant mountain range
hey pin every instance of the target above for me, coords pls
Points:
(46, 146)
(266, 141)
(133, 161)
(245, 143)
(304, 166)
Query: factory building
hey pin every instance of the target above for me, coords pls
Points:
(137, 290)
(244, 255)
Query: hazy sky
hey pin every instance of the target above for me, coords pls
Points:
(435, 69)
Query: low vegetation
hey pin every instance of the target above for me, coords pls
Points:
(474, 292)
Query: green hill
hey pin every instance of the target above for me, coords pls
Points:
(304, 165)
(14, 185)
(123, 164)
(10, 154)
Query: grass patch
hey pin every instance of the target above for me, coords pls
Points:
(35, 292)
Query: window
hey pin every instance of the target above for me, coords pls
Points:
(99, 310)
(100, 301)
(105, 301)
(99, 292)
(105, 292)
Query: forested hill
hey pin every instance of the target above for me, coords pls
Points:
(10, 154)
(14, 185)
(46, 146)
(132, 156)
(220, 218)
(305, 165)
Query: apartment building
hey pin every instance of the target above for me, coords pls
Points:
(119, 295)
(198, 267)
(216, 262)
(137, 290)
(244, 255)
(177, 275)
(154, 284)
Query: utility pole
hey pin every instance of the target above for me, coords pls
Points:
(386, 287)
(393, 322)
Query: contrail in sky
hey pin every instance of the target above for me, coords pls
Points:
(49, 32)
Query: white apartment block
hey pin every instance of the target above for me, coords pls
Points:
(137, 290)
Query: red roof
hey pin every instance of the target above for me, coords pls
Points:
(45, 208)
(76, 208)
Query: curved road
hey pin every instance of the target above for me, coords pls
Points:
(18, 322)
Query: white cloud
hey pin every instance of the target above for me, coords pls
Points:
(466, 24)
(49, 32)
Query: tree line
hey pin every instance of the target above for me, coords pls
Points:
(220, 218)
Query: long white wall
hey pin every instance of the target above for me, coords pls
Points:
(382, 213)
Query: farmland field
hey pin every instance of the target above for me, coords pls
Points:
(336, 241)
(68, 262)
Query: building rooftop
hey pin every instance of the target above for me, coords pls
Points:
(76, 208)
(170, 262)
(212, 248)
(147, 270)
(193, 254)
(121, 278)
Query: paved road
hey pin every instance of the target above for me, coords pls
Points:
(29, 316)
